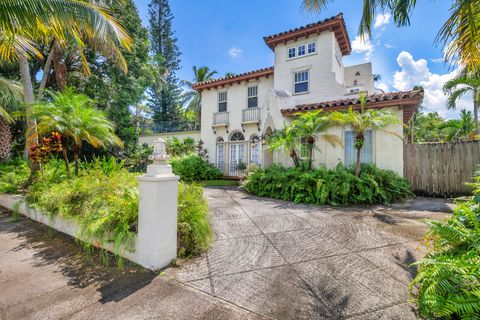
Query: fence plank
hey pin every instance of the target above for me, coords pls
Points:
(441, 169)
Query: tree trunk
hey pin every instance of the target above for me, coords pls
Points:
(76, 157)
(5, 140)
(475, 109)
(60, 67)
(294, 156)
(358, 164)
(359, 142)
(310, 146)
(65, 158)
(46, 72)
(31, 133)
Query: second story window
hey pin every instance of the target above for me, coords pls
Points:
(301, 50)
(291, 52)
(311, 47)
(222, 101)
(252, 96)
(301, 82)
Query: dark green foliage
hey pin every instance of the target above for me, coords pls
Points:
(339, 186)
(114, 91)
(448, 283)
(164, 97)
(194, 231)
(13, 176)
(136, 160)
(193, 168)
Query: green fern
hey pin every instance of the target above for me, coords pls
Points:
(321, 186)
(448, 283)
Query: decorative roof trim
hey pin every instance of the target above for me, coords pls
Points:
(265, 72)
(407, 100)
(335, 24)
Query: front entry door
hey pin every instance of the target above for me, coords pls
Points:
(237, 155)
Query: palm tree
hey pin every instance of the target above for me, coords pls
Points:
(309, 127)
(460, 129)
(465, 82)
(363, 120)
(72, 116)
(26, 22)
(10, 94)
(286, 140)
(459, 34)
(192, 98)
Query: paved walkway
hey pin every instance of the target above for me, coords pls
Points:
(270, 259)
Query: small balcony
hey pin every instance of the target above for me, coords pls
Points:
(251, 115)
(221, 118)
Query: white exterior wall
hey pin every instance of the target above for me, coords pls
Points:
(322, 79)
(387, 149)
(236, 102)
(365, 79)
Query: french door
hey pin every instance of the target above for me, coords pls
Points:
(237, 156)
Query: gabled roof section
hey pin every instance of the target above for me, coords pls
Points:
(408, 100)
(335, 24)
(265, 72)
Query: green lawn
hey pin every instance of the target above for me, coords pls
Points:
(219, 183)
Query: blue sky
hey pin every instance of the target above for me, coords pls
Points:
(227, 36)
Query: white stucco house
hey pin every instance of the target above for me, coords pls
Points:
(240, 112)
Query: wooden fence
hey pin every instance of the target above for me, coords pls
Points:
(441, 169)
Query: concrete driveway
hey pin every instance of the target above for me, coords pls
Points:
(287, 261)
(270, 259)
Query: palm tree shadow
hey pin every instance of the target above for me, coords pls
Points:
(81, 270)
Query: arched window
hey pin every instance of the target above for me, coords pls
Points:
(237, 136)
(255, 149)
(220, 154)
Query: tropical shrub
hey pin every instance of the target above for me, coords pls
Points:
(194, 231)
(447, 285)
(193, 168)
(102, 200)
(338, 186)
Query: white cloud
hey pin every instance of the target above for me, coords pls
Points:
(362, 45)
(389, 46)
(437, 60)
(235, 52)
(382, 19)
(382, 86)
(416, 72)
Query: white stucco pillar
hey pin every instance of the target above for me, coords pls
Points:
(156, 243)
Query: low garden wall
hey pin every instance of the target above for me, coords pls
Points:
(18, 204)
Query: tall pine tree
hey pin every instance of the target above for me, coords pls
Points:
(165, 95)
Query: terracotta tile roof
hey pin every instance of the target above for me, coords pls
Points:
(265, 72)
(335, 24)
(408, 100)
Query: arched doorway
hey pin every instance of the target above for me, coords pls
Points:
(220, 154)
(267, 153)
(236, 153)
